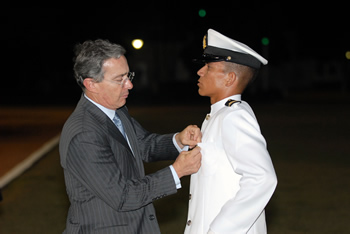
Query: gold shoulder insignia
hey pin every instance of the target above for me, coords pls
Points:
(230, 102)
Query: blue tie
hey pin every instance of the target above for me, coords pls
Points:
(118, 123)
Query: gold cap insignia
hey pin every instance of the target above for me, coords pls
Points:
(204, 42)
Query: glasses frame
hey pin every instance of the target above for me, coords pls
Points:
(126, 76)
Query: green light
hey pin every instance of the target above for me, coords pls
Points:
(202, 13)
(265, 41)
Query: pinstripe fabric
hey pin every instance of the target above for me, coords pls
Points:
(105, 183)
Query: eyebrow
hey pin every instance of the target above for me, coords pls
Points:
(211, 64)
(120, 75)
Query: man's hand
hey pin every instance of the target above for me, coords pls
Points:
(190, 136)
(188, 162)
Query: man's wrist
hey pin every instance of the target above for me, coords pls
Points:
(176, 177)
(181, 147)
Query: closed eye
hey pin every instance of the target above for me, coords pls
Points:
(119, 78)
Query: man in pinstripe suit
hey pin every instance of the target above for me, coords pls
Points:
(104, 175)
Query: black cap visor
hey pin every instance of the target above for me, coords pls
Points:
(213, 54)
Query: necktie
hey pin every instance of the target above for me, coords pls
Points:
(118, 123)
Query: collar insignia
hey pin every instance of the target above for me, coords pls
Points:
(230, 102)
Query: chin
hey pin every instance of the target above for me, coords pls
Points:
(200, 92)
(121, 104)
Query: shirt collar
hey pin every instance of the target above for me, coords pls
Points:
(220, 104)
(110, 113)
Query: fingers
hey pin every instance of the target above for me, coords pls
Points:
(192, 148)
(190, 136)
(188, 162)
(196, 149)
(196, 134)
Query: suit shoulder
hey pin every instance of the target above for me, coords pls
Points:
(74, 122)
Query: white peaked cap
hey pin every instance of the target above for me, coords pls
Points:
(218, 47)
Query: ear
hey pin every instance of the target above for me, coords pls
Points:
(231, 78)
(90, 84)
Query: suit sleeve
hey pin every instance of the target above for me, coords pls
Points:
(247, 153)
(93, 163)
(154, 147)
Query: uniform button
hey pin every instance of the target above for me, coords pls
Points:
(189, 222)
(190, 196)
(151, 217)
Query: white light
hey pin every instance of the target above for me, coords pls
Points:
(137, 43)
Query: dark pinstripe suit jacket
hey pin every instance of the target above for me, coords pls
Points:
(106, 184)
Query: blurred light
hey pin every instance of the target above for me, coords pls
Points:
(265, 41)
(137, 43)
(347, 55)
(202, 13)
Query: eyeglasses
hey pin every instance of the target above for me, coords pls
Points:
(124, 78)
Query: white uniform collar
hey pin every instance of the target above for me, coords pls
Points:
(220, 104)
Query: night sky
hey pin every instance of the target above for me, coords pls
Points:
(38, 42)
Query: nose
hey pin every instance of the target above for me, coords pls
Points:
(201, 71)
(128, 84)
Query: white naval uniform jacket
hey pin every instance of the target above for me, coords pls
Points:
(237, 178)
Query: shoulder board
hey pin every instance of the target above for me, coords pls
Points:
(230, 102)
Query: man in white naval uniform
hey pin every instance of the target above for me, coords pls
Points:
(237, 179)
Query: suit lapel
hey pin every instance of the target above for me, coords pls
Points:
(103, 120)
(116, 134)
(130, 132)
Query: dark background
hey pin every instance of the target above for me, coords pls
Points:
(308, 42)
(304, 113)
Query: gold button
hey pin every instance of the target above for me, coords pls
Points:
(189, 222)
(207, 117)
